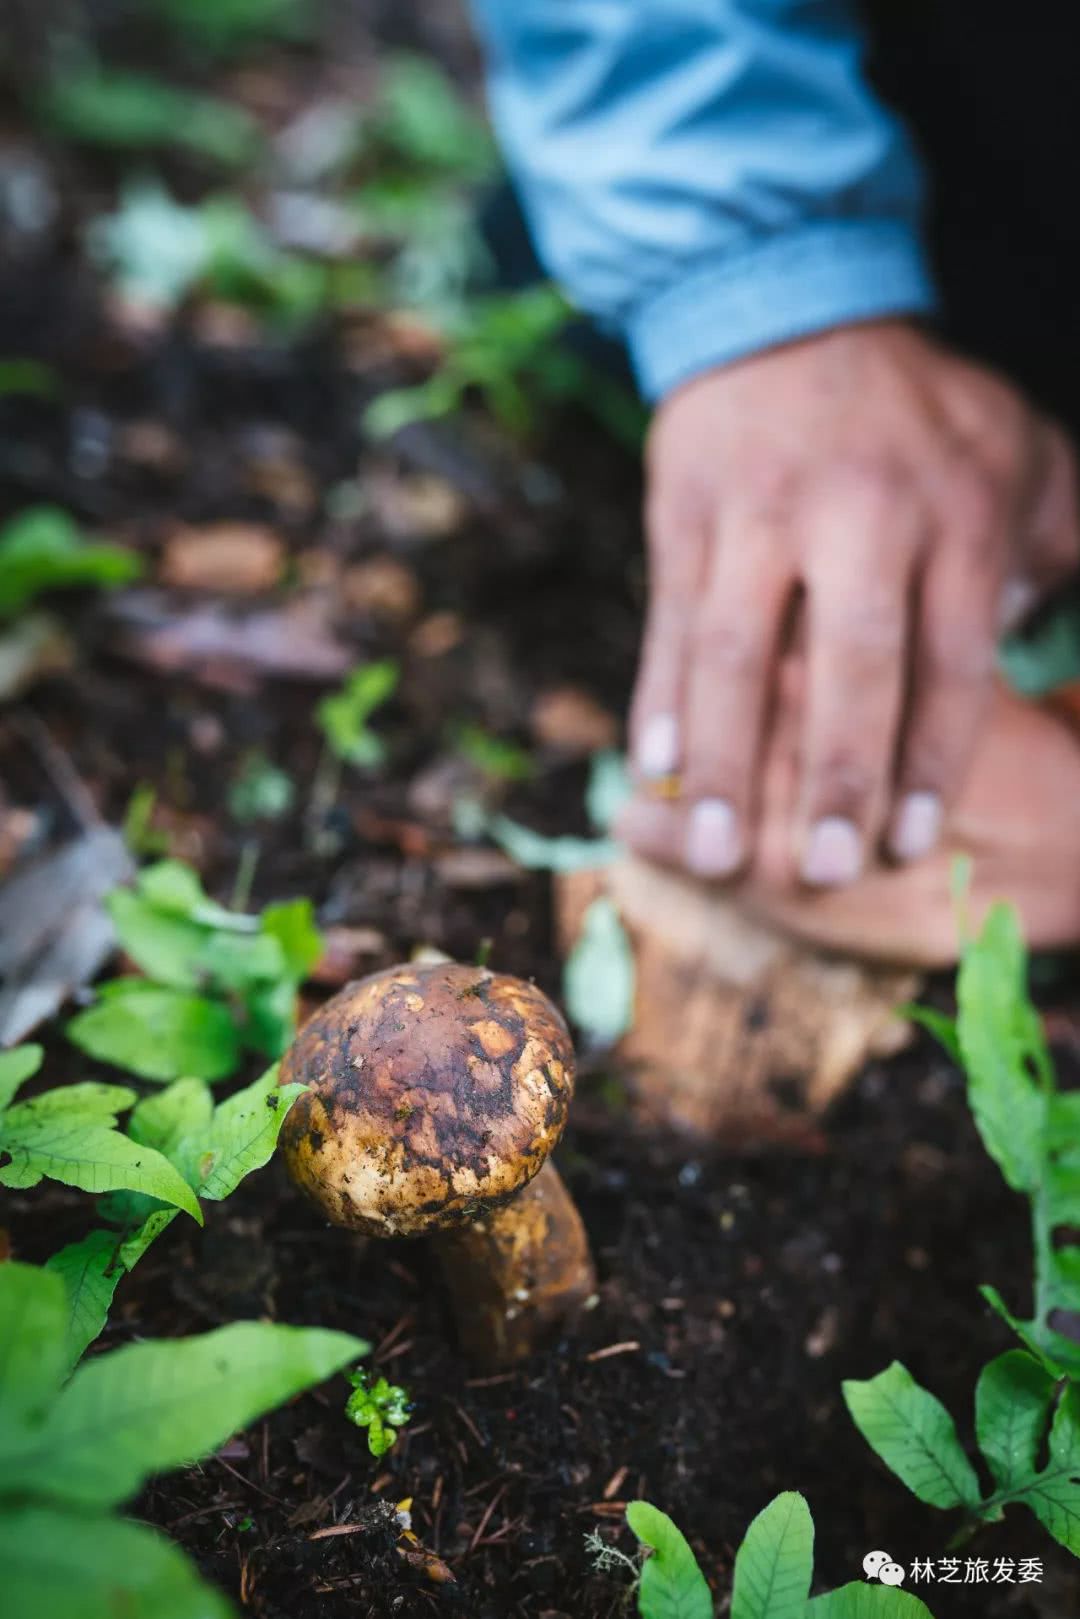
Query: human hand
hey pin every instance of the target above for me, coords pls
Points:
(908, 501)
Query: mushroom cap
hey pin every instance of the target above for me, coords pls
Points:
(435, 1093)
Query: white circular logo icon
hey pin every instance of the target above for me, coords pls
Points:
(874, 1562)
(891, 1574)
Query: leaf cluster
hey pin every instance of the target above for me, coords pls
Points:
(379, 1406)
(216, 982)
(1027, 1402)
(774, 1569)
(209, 1148)
(72, 1452)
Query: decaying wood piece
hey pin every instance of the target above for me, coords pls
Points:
(739, 1032)
(520, 1273)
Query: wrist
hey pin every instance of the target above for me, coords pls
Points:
(778, 291)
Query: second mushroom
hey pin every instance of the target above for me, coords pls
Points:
(435, 1095)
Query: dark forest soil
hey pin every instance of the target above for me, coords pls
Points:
(736, 1292)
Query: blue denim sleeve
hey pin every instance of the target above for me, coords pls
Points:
(710, 177)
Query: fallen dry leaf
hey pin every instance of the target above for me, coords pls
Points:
(55, 934)
(230, 559)
(414, 505)
(220, 647)
(35, 645)
(572, 721)
(384, 588)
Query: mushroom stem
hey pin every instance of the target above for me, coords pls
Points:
(518, 1272)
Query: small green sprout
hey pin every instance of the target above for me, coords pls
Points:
(380, 1407)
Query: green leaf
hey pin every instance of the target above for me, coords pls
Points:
(292, 924)
(860, 1601)
(535, 852)
(261, 791)
(1045, 655)
(495, 756)
(775, 1563)
(16, 1067)
(42, 549)
(914, 1435)
(1054, 1494)
(28, 377)
(608, 789)
(180, 1113)
(69, 1135)
(1012, 1405)
(33, 1307)
(672, 1585)
(155, 249)
(158, 1033)
(243, 1134)
(422, 118)
(153, 1406)
(598, 979)
(1000, 1042)
(115, 108)
(88, 1566)
(133, 1247)
(942, 1027)
(168, 947)
(1060, 1356)
(344, 715)
(90, 1270)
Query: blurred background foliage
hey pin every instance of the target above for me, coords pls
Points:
(231, 167)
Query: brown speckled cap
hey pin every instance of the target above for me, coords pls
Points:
(435, 1093)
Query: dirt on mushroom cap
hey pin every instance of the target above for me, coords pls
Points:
(435, 1093)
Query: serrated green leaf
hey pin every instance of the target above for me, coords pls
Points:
(153, 1406)
(599, 978)
(16, 1067)
(90, 1100)
(1012, 1407)
(68, 1135)
(181, 1112)
(1060, 1355)
(158, 1032)
(1054, 1494)
(88, 1566)
(1000, 1041)
(90, 1270)
(914, 1435)
(775, 1563)
(33, 1306)
(672, 1585)
(861, 1601)
(243, 1134)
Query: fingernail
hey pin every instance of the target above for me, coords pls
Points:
(713, 844)
(658, 752)
(1018, 597)
(833, 852)
(916, 827)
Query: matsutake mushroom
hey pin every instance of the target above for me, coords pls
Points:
(435, 1094)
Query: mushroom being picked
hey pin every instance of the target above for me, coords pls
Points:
(435, 1095)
